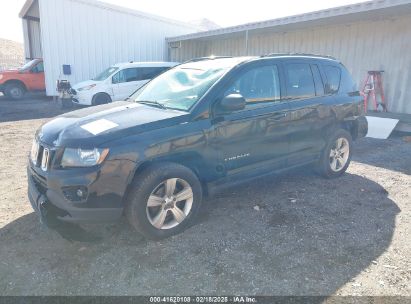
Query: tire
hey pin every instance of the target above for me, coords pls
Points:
(162, 219)
(101, 98)
(336, 156)
(15, 91)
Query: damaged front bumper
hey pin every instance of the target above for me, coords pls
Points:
(52, 208)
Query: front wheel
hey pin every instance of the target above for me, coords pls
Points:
(100, 99)
(163, 200)
(336, 156)
(14, 91)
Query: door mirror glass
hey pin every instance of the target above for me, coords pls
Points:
(232, 103)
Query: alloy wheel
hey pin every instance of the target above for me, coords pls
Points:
(339, 154)
(170, 203)
(16, 92)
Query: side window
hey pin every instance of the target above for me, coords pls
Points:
(131, 74)
(333, 74)
(299, 81)
(39, 68)
(126, 75)
(118, 77)
(150, 72)
(258, 85)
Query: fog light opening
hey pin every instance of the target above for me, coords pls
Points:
(75, 193)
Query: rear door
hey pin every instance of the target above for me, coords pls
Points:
(256, 137)
(310, 111)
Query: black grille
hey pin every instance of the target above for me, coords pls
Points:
(39, 181)
(40, 156)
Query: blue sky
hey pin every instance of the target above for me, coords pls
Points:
(224, 13)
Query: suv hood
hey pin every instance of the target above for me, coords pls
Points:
(94, 126)
(85, 84)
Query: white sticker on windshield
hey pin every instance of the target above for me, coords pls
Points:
(99, 126)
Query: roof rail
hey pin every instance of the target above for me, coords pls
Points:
(299, 54)
(207, 58)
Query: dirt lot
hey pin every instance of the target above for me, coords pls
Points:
(309, 236)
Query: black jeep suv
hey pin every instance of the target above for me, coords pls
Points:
(205, 124)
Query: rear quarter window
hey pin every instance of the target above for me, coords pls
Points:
(333, 75)
(347, 84)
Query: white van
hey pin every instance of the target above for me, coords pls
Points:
(117, 82)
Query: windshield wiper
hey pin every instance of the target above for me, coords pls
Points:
(153, 103)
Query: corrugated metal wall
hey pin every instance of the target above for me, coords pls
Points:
(361, 46)
(91, 38)
(33, 28)
(32, 33)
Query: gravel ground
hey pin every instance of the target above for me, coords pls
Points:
(295, 234)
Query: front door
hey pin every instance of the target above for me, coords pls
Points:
(256, 137)
(34, 78)
(126, 82)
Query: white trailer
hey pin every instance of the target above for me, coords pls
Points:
(87, 36)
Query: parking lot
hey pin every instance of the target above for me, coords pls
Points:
(295, 234)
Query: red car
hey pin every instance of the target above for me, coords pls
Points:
(29, 78)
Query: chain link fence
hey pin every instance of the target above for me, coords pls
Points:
(10, 61)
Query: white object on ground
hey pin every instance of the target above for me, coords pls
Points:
(380, 127)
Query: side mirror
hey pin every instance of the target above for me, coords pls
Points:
(231, 103)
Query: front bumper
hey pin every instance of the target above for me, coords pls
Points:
(83, 98)
(50, 205)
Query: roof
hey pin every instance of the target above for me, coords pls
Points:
(206, 63)
(145, 64)
(111, 7)
(348, 13)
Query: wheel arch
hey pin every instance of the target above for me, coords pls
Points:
(16, 81)
(190, 160)
(350, 125)
(93, 100)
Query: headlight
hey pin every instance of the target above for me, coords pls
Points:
(89, 87)
(34, 153)
(82, 157)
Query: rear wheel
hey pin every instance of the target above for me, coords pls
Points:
(14, 91)
(101, 98)
(164, 200)
(336, 156)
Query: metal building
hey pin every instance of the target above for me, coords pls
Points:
(90, 35)
(374, 35)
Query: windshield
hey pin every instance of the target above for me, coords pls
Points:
(179, 88)
(28, 65)
(105, 74)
